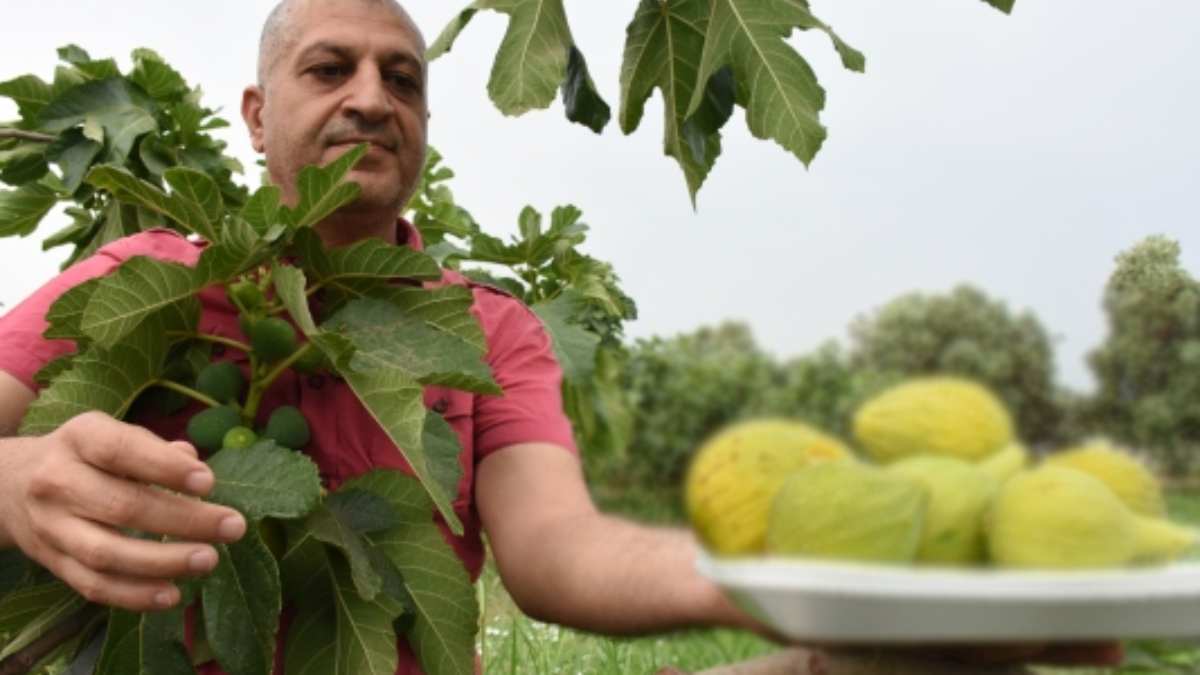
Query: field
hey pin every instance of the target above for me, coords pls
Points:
(513, 644)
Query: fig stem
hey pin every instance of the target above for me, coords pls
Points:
(260, 385)
(215, 339)
(189, 392)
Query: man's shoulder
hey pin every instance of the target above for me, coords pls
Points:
(489, 293)
(498, 310)
(159, 243)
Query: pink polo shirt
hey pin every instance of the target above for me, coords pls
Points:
(346, 441)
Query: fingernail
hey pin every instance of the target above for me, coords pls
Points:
(188, 448)
(233, 527)
(198, 481)
(202, 561)
(165, 599)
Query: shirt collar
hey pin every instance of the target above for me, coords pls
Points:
(408, 235)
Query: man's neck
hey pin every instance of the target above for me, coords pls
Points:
(343, 229)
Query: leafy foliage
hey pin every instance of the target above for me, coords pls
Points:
(138, 326)
(577, 297)
(704, 56)
(684, 388)
(967, 333)
(147, 121)
(1146, 367)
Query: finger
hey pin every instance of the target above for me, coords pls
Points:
(122, 503)
(138, 454)
(1084, 653)
(131, 593)
(102, 549)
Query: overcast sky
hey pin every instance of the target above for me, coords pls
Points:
(1019, 154)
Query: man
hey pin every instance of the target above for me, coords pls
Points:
(332, 74)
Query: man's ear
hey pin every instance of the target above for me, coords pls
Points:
(253, 100)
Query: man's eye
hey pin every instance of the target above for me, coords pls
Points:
(404, 81)
(328, 72)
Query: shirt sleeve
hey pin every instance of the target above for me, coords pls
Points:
(522, 359)
(23, 350)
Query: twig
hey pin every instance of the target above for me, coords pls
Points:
(22, 135)
(21, 662)
(215, 339)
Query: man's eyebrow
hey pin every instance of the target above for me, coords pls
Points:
(330, 47)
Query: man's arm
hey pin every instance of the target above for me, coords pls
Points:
(564, 562)
(64, 496)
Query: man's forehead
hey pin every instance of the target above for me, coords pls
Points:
(351, 27)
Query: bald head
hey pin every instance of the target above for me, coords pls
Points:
(279, 35)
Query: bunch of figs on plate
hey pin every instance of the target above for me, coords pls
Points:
(935, 475)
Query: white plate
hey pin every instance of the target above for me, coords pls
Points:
(846, 602)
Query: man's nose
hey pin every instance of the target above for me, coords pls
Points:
(368, 99)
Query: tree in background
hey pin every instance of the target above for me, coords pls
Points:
(822, 388)
(967, 333)
(683, 388)
(1148, 368)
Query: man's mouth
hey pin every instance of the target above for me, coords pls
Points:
(374, 142)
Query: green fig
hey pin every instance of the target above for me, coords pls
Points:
(959, 494)
(1057, 517)
(223, 382)
(847, 511)
(207, 428)
(288, 427)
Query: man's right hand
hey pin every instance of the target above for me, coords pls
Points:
(64, 496)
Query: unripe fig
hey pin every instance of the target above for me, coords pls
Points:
(223, 382)
(272, 339)
(312, 361)
(248, 295)
(238, 438)
(288, 428)
(207, 428)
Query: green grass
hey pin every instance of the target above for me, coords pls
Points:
(513, 644)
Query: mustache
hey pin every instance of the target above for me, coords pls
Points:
(355, 138)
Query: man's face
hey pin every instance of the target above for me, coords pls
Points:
(351, 72)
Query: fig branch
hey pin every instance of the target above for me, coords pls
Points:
(259, 386)
(22, 135)
(187, 391)
(215, 339)
(24, 660)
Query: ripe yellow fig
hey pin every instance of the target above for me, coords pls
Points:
(959, 494)
(1131, 480)
(734, 475)
(847, 511)
(933, 415)
(1060, 518)
(1006, 462)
